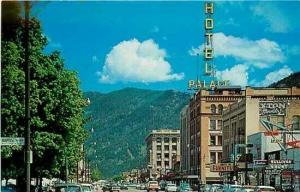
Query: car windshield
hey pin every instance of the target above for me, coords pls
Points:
(67, 189)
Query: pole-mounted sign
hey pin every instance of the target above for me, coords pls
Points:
(12, 141)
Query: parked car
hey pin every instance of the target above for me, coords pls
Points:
(8, 189)
(171, 187)
(152, 186)
(115, 188)
(184, 187)
(123, 187)
(216, 188)
(68, 187)
(143, 187)
(162, 185)
(264, 189)
(86, 187)
(232, 188)
(248, 188)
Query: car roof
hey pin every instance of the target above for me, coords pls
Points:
(268, 187)
(86, 184)
(66, 184)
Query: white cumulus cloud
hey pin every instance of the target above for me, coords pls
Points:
(275, 76)
(237, 75)
(135, 61)
(275, 19)
(261, 53)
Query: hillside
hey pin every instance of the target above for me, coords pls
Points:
(122, 119)
(292, 80)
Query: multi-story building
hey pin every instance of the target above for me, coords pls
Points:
(185, 140)
(280, 106)
(206, 108)
(162, 146)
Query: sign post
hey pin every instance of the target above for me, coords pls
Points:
(5, 141)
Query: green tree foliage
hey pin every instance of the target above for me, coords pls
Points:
(118, 178)
(95, 175)
(56, 105)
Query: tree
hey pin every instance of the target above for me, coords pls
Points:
(95, 175)
(56, 104)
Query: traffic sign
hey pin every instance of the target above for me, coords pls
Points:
(12, 141)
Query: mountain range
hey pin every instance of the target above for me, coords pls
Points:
(122, 119)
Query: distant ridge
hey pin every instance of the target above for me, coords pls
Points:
(122, 119)
(290, 81)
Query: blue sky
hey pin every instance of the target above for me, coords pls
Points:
(113, 45)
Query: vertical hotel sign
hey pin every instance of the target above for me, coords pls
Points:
(208, 45)
(208, 53)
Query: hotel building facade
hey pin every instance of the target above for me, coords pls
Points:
(205, 131)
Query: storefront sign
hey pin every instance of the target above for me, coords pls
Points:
(260, 163)
(273, 171)
(276, 140)
(222, 167)
(272, 108)
(281, 161)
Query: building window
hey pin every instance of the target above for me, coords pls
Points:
(166, 140)
(212, 125)
(158, 148)
(219, 157)
(174, 140)
(158, 140)
(220, 109)
(219, 140)
(212, 140)
(213, 108)
(166, 147)
(158, 155)
(166, 163)
(296, 122)
(158, 163)
(174, 147)
(219, 124)
(167, 155)
(212, 157)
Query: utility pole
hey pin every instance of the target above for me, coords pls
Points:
(27, 96)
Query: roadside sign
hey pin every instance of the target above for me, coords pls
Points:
(222, 167)
(12, 141)
(260, 163)
(281, 161)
